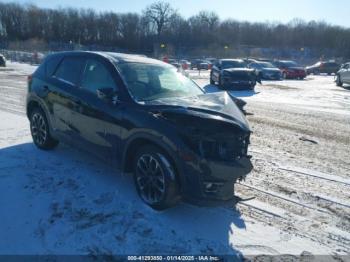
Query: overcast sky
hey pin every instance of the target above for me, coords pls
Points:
(334, 12)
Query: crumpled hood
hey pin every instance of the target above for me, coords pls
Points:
(217, 106)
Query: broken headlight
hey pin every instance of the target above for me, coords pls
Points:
(225, 148)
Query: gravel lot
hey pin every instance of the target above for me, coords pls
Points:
(300, 183)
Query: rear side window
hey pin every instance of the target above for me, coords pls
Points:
(96, 76)
(51, 65)
(69, 70)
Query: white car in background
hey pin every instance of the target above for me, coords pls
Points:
(343, 75)
(2, 61)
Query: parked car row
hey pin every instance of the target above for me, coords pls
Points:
(23, 57)
(198, 64)
(245, 73)
(321, 67)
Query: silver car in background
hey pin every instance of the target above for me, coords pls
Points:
(343, 75)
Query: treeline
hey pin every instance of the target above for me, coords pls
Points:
(161, 28)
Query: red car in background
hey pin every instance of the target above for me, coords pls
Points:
(291, 70)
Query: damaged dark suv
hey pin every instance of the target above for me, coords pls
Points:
(143, 117)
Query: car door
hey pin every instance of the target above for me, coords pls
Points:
(97, 119)
(216, 71)
(346, 74)
(62, 95)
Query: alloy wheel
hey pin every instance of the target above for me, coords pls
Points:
(150, 179)
(39, 129)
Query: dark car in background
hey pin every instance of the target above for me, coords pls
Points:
(290, 69)
(233, 73)
(2, 61)
(200, 64)
(266, 70)
(185, 64)
(322, 67)
(174, 63)
(143, 117)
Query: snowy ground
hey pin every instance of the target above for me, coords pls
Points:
(67, 202)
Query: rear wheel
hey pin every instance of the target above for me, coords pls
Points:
(40, 130)
(284, 75)
(212, 82)
(155, 178)
(338, 81)
(221, 83)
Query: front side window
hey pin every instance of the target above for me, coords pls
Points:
(147, 82)
(69, 69)
(96, 76)
(266, 65)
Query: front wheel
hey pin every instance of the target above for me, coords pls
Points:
(338, 81)
(155, 178)
(221, 83)
(40, 130)
(212, 82)
(284, 75)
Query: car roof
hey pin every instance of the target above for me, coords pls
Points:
(230, 60)
(117, 58)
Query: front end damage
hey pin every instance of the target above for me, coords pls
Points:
(214, 152)
(216, 157)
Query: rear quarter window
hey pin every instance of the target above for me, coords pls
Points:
(51, 65)
(70, 69)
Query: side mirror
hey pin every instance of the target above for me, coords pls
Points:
(107, 94)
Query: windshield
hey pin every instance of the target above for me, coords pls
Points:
(148, 82)
(233, 64)
(266, 65)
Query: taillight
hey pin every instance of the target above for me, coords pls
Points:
(29, 82)
(29, 78)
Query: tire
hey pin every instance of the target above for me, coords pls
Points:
(212, 82)
(338, 81)
(220, 84)
(155, 178)
(40, 130)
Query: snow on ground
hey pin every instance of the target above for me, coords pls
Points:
(66, 202)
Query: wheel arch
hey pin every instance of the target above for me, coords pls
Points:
(134, 144)
(31, 106)
(33, 103)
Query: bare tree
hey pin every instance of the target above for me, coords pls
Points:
(200, 34)
(159, 14)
